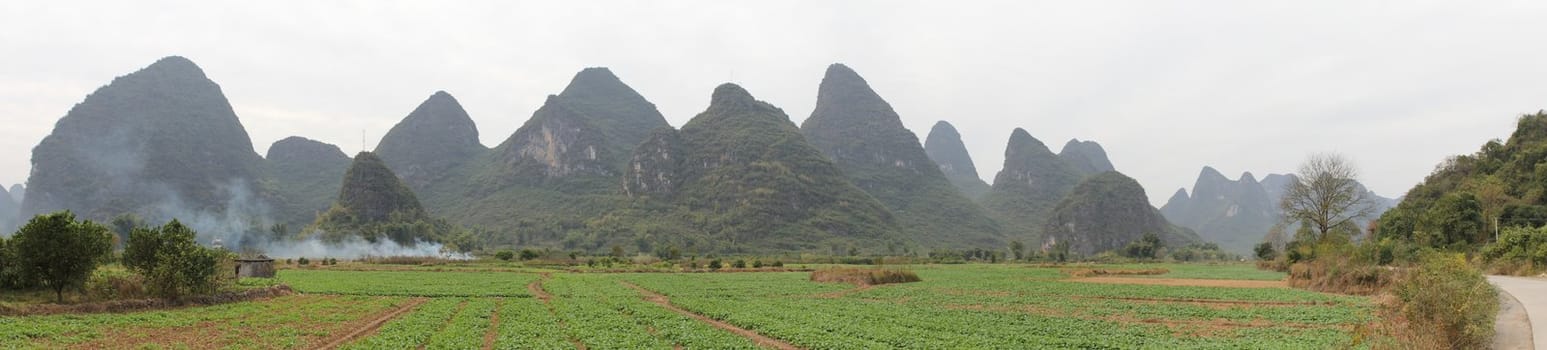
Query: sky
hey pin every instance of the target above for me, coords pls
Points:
(1166, 87)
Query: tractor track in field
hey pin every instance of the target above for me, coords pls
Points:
(494, 325)
(665, 302)
(375, 324)
(536, 287)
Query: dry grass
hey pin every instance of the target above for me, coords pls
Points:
(118, 306)
(1340, 276)
(865, 277)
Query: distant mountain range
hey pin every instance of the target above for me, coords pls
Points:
(595, 167)
(1236, 214)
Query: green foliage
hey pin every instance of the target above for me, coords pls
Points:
(715, 264)
(1520, 250)
(59, 252)
(1264, 251)
(409, 283)
(1146, 247)
(528, 254)
(173, 263)
(1458, 204)
(1446, 295)
(505, 255)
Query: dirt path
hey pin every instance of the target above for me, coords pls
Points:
(374, 324)
(494, 325)
(1531, 293)
(757, 338)
(537, 290)
(1184, 282)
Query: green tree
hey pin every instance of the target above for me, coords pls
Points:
(1017, 249)
(505, 255)
(528, 254)
(60, 252)
(173, 263)
(1265, 251)
(122, 225)
(1146, 247)
(1456, 218)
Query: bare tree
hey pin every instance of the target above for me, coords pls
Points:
(1326, 194)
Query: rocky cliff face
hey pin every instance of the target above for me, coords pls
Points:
(1031, 183)
(588, 130)
(944, 146)
(436, 137)
(865, 137)
(653, 169)
(160, 142)
(307, 175)
(1107, 211)
(1086, 157)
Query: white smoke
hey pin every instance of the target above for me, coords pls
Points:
(355, 248)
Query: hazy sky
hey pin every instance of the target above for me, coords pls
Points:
(1166, 86)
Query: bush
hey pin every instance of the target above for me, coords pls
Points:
(173, 264)
(740, 264)
(757, 264)
(113, 284)
(304, 262)
(1519, 251)
(1446, 296)
(505, 255)
(778, 263)
(714, 265)
(528, 254)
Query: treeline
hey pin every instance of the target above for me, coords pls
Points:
(57, 252)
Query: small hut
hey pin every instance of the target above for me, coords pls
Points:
(261, 266)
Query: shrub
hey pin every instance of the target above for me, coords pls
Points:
(1445, 296)
(757, 264)
(778, 263)
(528, 254)
(715, 264)
(505, 255)
(1519, 251)
(304, 262)
(740, 264)
(173, 264)
(111, 284)
(332, 261)
(864, 277)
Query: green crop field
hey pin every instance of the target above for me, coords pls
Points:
(954, 307)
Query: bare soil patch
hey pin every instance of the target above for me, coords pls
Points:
(1184, 282)
(360, 331)
(494, 325)
(760, 339)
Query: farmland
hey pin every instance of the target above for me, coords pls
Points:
(955, 306)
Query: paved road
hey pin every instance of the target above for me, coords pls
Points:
(1532, 293)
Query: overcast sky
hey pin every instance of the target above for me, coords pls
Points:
(1165, 86)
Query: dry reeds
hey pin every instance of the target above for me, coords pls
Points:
(865, 277)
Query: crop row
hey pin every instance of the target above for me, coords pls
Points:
(410, 283)
(285, 322)
(603, 313)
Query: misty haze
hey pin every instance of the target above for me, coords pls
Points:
(788, 175)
